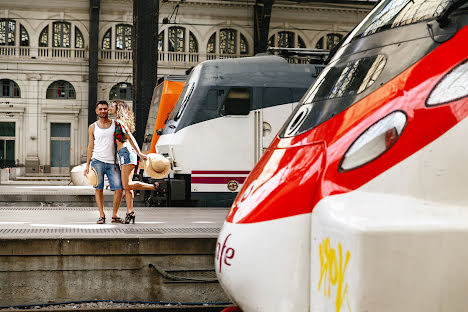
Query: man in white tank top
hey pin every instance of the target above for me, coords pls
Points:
(101, 156)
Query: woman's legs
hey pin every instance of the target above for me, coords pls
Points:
(129, 184)
(127, 176)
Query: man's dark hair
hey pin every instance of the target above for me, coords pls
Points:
(102, 103)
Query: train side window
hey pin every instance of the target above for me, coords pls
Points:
(213, 99)
(237, 102)
(276, 96)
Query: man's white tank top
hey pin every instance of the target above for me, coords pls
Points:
(104, 143)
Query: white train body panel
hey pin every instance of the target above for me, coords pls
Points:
(395, 244)
(224, 148)
(283, 248)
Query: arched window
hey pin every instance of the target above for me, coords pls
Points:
(79, 40)
(123, 37)
(122, 90)
(44, 37)
(61, 89)
(329, 41)
(244, 46)
(24, 37)
(106, 41)
(227, 41)
(176, 40)
(61, 34)
(286, 39)
(211, 46)
(9, 89)
(230, 41)
(7, 32)
(161, 42)
(193, 43)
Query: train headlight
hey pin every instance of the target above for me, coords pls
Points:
(451, 87)
(375, 141)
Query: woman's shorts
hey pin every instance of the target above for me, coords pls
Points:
(127, 157)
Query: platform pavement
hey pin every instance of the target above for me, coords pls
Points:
(56, 252)
(60, 254)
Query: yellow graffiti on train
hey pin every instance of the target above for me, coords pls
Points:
(332, 272)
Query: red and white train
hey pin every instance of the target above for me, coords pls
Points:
(361, 202)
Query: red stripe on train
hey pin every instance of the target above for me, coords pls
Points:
(217, 180)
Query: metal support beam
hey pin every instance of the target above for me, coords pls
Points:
(94, 6)
(145, 60)
(262, 14)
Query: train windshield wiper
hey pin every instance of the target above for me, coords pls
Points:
(443, 18)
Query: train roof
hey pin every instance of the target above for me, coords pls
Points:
(267, 70)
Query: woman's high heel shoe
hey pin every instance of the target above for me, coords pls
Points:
(130, 217)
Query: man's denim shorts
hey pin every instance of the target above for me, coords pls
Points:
(127, 157)
(111, 171)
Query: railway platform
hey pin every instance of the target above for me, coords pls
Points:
(57, 253)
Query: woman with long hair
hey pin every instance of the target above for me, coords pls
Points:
(127, 152)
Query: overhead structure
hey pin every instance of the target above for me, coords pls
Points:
(94, 6)
(262, 15)
(145, 60)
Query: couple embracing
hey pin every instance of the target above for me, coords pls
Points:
(108, 139)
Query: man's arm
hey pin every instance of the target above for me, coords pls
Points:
(89, 151)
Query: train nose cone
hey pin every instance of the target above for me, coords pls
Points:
(263, 250)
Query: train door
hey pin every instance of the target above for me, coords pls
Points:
(276, 107)
(238, 125)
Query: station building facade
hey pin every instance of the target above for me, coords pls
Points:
(44, 61)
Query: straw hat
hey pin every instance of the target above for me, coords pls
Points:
(157, 166)
(92, 177)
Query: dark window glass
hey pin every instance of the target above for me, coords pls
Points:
(107, 39)
(182, 101)
(213, 98)
(7, 129)
(79, 40)
(211, 46)
(176, 40)
(61, 90)
(338, 81)
(7, 32)
(123, 37)
(244, 46)
(24, 37)
(153, 111)
(298, 93)
(237, 102)
(44, 37)
(300, 42)
(121, 91)
(271, 41)
(193, 44)
(348, 79)
(61, 34)
(286, 39)
(9, 88)
(227, 41)
(276, 96)
(161, 42)
(394, 13)
(329, 41)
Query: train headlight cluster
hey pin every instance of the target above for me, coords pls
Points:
(452, 87)
(374, 141)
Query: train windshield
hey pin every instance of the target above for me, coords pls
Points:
(153, 113)
(394, 13)
(186, 94)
